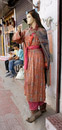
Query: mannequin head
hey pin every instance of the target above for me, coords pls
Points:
(30, 19)
(33, 18)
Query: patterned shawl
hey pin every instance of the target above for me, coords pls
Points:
(42, 36)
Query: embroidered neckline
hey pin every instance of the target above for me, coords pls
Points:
(36, 28)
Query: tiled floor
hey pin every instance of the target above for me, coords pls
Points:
(9, 114)
(10, 122)
(14, 107)
(56, 121)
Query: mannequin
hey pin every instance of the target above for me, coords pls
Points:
(34, 64)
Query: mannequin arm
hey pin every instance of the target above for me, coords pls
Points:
(18, 36)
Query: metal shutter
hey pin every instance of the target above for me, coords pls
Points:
(21, 9)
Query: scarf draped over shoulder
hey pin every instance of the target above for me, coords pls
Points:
(42, 36)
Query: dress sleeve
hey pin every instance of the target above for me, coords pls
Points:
(19, 37)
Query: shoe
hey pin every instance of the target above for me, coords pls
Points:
(8, 74)
(34, 117)
(43, 108)
(12, 75)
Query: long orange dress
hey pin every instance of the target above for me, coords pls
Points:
(34, 86)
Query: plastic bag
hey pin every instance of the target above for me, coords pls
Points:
(20, 74)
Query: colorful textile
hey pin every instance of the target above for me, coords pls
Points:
(26, 55)
(34, 105)
(34, 85)
(44, 45)
(4, 58)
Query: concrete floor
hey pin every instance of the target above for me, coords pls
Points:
(13, 105)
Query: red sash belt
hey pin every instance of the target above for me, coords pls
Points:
(26, 55)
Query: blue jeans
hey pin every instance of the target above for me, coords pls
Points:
(13, 63)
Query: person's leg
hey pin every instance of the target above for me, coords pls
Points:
(7, 65)
(18, 62)
(33, 106)
(11, 66)
(34, 110)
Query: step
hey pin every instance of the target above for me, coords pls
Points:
(54, 122)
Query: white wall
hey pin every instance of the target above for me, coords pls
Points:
(49, 8)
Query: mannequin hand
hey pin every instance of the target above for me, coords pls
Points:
(19, 28)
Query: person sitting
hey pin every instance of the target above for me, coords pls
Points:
(11, 56)
(17, 60)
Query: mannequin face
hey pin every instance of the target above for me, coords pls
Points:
(30, 19)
